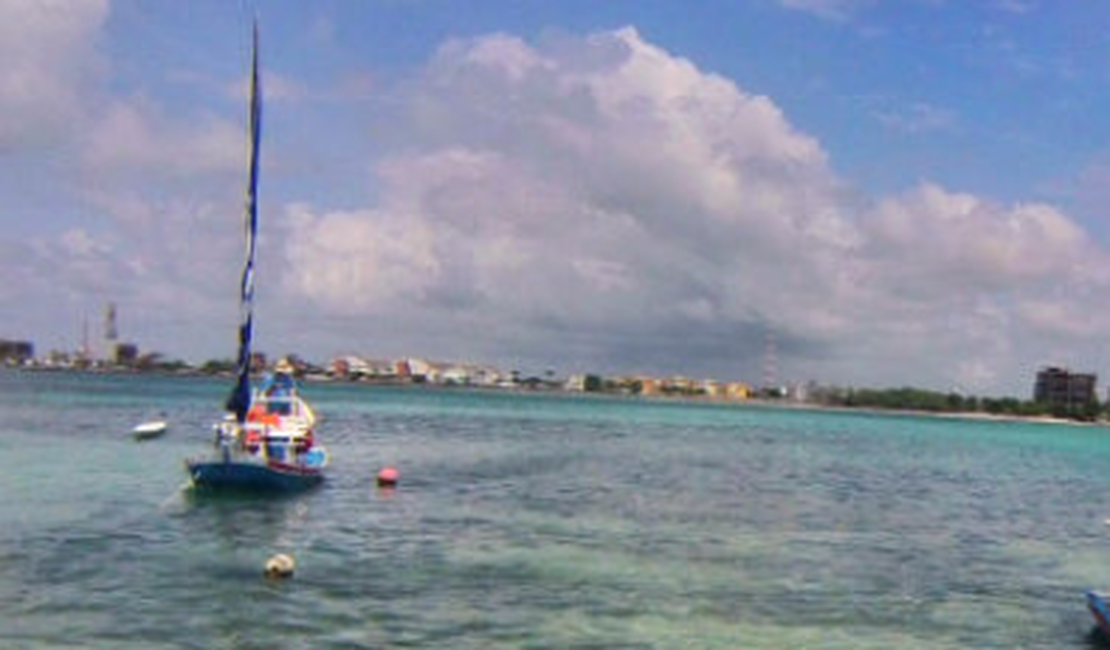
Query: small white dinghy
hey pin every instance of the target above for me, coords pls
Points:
(149, 430)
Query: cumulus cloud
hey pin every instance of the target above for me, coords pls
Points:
(968, 284)
(373, 259)
(585, 202)
(170, 262)
(931, 240)
(148, 198)
(590, 186)
(49, 58)
(135, 135)
(609, 203)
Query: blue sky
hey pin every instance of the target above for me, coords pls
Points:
(891, 88)
(903, 192)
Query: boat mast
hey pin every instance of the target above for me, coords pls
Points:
(239, 400)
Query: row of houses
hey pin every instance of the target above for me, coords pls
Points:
(655, 387)
(413, 370)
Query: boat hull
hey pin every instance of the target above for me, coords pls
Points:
(1099, 604)
(245, 476)
(149, 430)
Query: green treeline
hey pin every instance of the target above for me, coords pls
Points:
(916, 399)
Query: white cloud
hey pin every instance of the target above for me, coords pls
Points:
(1059, 318)
(593, 186)
(135, 135)
(354, 262)
(609, 203)
(500, 52)
(48, 57)
(935, 242)
(151, 194)
(590, 203)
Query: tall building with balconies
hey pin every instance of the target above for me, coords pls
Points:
(1059, 387)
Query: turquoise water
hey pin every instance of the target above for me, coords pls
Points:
(547, 522)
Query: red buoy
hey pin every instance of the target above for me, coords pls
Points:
(388, 477)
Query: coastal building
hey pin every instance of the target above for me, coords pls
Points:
(415, 369)
(357, 368)
(738, 390)
(1059, 387)
(16, 352)
(584, 383)
(125, 354)
(481, 375)
(111, 333)
(378, 368)
(680, 385)
(650, 386)
(341, 367)
(452, 375)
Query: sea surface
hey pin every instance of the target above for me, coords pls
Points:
(547, 521)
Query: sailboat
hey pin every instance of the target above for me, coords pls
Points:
(267, 441)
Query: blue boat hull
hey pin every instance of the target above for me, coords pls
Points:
(232, 475)
(1099, 604)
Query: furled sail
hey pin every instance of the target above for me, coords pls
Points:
(239, 400)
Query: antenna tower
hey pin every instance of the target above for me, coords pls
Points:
(770, 361)
(85, 353)
(111, 331)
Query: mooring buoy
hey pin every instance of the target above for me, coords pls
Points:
(388, 477)
(280, 566)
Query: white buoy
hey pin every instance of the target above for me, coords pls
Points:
(280, 566)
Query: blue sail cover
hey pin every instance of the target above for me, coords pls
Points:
(239, 400)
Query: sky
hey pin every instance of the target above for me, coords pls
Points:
(885, 193)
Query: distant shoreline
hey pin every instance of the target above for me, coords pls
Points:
(657, 398)
(954, 415)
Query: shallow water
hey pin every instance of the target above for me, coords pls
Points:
(547, 522)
